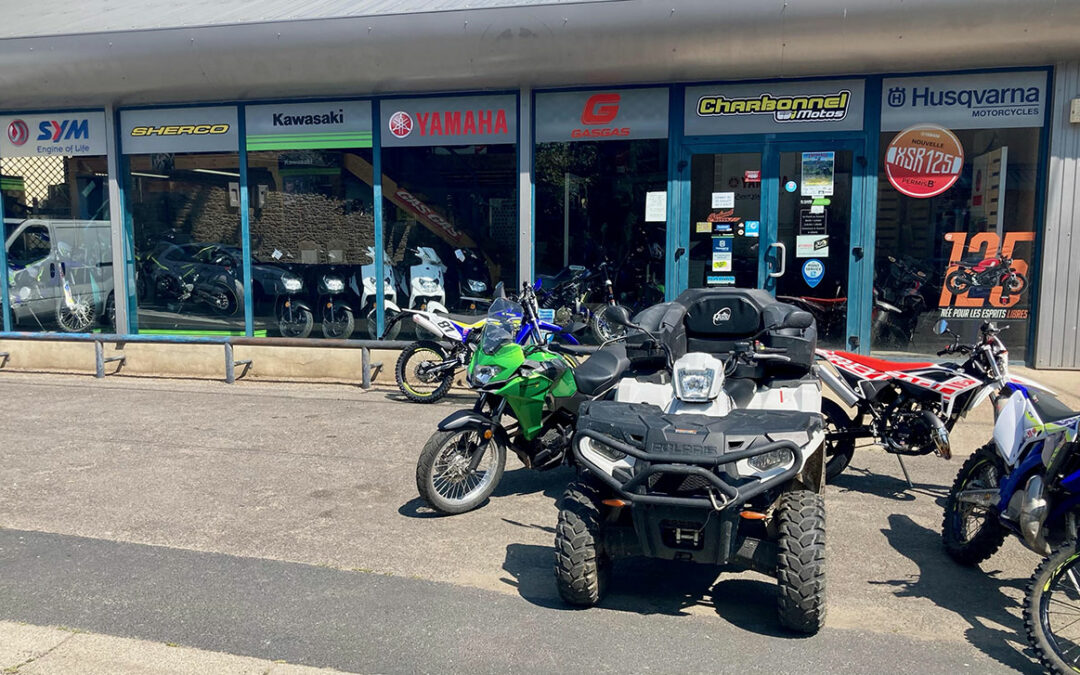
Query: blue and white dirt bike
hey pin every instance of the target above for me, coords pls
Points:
(426, 368)
(1026, 482)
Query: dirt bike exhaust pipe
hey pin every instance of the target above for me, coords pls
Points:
(838, 386)
(939, 434)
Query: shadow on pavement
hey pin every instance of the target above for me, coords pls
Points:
(522, 481)
(648, 586)
(972, 594)
(888, 486)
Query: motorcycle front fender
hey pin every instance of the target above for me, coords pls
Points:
(466, 419)
(295, 302)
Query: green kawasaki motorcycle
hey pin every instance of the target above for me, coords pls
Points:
(530, 390)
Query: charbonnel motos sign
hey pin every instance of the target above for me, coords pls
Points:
(779, 107)
(982, 100)
(61, 134)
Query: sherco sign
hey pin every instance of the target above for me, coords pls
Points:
(300, 126)
(57, 134)
(780, 107)
(979, 101)
(178, 130)
(460, 120)
(601, 115)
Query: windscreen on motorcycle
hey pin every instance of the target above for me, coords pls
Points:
(503, 320)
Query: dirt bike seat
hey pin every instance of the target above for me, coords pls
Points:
(602, 370)
(882, 364)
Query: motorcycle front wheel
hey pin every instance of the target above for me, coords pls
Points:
(1016, 284)
(443, 477)
(413, 378)
(223, 300)
(392, 325)
(77, 317)
(338, 322)
(1051, 610)
(958, 283)
(971, 532)
(838, 452)
(296, 322)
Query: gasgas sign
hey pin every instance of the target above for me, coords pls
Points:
(607, 114)
(459, 120)
(58, 134)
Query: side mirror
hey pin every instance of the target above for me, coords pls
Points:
(941, 327)
(500, 290)
(798, 319)
(619, 316)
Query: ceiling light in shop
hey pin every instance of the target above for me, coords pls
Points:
(148, 175)
(217, 173)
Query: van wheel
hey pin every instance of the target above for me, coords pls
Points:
(800, 567)
(582, 567)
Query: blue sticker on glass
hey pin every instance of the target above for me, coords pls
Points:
(791, 186)
(753, 228)
(812, 272)
(723, 227)
(720, 280)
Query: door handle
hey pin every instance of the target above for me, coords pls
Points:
(679, 252)
(52, 270)
(782, 250)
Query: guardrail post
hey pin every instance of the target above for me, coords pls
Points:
(230, 364)
(99, 359)
(365, 368)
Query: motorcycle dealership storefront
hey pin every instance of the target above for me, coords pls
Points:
(879, 202)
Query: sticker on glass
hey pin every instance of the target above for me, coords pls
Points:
(812, 272)
(817, 173)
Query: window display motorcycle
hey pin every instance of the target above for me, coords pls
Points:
(202, 273)
(715, 459)
(907, 408)
(899, 301)
(474, 280)
(427, 281)
(530, 391)
(986, 273)
(366, 291)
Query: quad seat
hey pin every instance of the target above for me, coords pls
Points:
(601, 370)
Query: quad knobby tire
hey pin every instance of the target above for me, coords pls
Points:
(582, 567)
(972, 549)
(403, 377)
(800, 565)
(1036, 603)
(837, 453)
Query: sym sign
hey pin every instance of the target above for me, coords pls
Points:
(54, 134)
(778, 107)
(458, 120)
(296, 126)
(977, 101)
(601, 115)
(168, 130)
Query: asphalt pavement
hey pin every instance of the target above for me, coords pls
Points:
(280, 521)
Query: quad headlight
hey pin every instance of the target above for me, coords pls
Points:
(771, 459)
(694, 385)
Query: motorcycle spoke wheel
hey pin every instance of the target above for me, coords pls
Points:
(416, 372)
(443, 476)
(1052, 611)
(76, 317)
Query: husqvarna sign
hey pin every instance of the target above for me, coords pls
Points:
(55, 134)
(978, 101)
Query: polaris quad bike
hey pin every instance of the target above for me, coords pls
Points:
(530, 390)
(717, 459)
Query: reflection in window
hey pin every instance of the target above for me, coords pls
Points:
(590, 223)
(185, 211)
(312, 239)
(451, 229)
(59, 246)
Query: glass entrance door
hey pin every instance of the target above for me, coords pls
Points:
(779, 219)
(813, 232)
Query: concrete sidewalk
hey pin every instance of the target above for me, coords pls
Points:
(28, 649)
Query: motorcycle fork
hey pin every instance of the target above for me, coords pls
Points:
(478, 455)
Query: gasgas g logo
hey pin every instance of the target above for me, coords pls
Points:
(599, 112)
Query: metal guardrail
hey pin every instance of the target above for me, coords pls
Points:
(99, 340)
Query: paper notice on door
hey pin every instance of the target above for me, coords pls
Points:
(723, 200)
(703, 228)
(811, 246)
(817, 173)
(722, 248)
(655, 207)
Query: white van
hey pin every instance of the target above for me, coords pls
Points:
(60, 274)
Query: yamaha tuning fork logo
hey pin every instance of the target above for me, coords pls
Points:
(18, 133)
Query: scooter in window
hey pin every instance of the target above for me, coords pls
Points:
(427, 281)
(367, 295)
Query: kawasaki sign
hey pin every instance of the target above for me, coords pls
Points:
(978, 101)
(299, 126)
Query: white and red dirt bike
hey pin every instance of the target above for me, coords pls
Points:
(908, 408)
